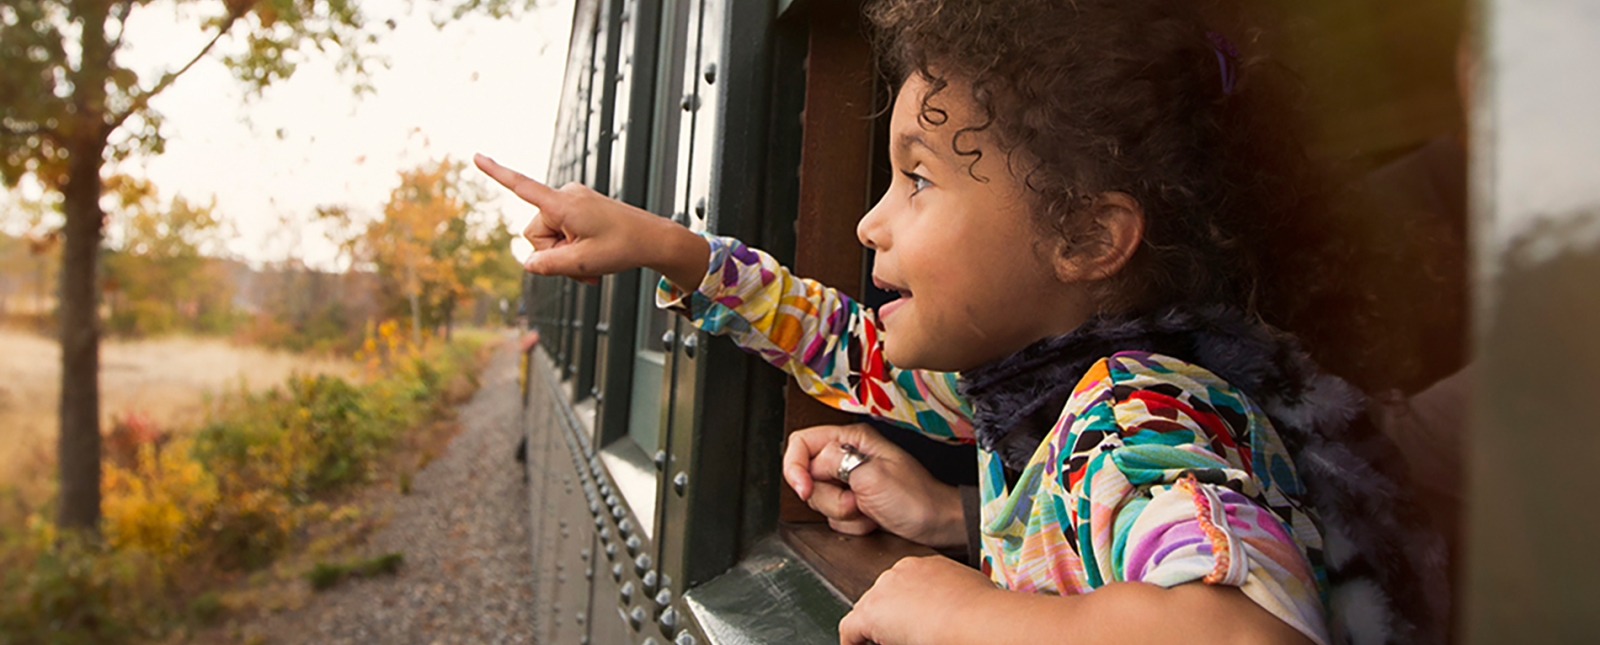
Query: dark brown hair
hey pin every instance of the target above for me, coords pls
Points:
(1090, 96)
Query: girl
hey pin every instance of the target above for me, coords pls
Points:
(1082, 215)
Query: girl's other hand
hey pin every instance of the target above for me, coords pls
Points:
(890, 490)
(913, 600)
(581, 234)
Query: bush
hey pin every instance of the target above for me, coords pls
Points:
(152, 506)
(67, 590)
(232, 495)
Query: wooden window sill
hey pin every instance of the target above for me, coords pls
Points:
(850, 563)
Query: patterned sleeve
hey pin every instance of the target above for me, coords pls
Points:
(831, 345)
(1174, 478)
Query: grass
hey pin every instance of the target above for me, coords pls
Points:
(324, 576)
(167, 380)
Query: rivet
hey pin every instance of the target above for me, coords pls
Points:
(636, 617)
(711, 72)
(650, 580)
(627, 592)
(660, 459)
(625, 526)
(680, 481)
(669, 619)
(685, 639)
(642, 563)
(616, 571)
(664, 597)
(633, 544)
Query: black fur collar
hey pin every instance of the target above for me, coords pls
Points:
(1016, 400)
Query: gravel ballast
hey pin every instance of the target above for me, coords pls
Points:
(464, 531)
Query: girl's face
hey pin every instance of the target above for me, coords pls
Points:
(969, 264)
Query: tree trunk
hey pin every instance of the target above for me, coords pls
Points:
(78, 447)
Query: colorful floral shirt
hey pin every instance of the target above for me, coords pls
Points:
(1156, 471)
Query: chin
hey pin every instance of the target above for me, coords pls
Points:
(915, 358)
(898, 355)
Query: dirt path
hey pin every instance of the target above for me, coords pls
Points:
(464, 532)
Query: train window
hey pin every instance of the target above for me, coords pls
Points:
(649, 365)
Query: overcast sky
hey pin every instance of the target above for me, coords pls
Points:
(478, 85)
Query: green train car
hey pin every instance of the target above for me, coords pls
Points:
(653, 450)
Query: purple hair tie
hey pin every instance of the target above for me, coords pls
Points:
(1227, 59)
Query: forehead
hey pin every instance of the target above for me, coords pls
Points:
(948, 111)
(951, 100)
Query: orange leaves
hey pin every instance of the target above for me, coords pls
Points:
(152, 505)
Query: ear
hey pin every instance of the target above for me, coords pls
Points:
(1114, 235)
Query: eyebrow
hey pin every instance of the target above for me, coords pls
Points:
(904, 141)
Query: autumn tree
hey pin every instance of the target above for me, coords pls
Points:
(163, 269)
(435, 247)
(30, 260)
(68, 106)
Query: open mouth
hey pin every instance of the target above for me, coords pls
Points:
(891, 287)
(889, 307)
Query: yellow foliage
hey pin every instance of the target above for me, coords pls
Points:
(151, 507)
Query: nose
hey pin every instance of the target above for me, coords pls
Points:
(871, 230)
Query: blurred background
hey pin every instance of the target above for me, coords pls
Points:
(291, 273)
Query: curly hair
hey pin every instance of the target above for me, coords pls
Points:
(1142, 97)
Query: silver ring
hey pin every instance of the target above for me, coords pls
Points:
(848, 462)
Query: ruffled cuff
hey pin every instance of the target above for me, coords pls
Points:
(1197, 532)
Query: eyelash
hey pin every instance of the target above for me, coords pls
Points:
(918, 182)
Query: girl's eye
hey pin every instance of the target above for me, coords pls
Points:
(918, 182)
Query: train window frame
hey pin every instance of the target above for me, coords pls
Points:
(632, 463)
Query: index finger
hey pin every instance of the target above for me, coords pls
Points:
(525, 187)
(796, 467)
